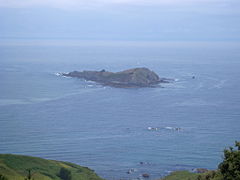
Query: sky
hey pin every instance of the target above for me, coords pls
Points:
(132, 20)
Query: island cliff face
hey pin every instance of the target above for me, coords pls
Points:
(137, 77)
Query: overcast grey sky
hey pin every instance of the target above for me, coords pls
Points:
(171, 20)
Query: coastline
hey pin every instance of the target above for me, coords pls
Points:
(17, 166)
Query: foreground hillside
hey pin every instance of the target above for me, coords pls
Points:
(16, 167)
(185, 175)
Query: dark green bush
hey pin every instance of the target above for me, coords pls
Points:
(29, 175)
(3, 177)
(230, 167)
(65, 174)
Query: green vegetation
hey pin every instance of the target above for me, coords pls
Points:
(3, 177)
(29, 176)
(65, 174)
(181, 175)
(229, 169)
(17, 167)
(185, 175)
(211, 175)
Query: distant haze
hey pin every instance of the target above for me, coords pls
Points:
(168, 20)
(94, 3)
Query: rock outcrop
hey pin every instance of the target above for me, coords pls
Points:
(137, 77)
(200, 170)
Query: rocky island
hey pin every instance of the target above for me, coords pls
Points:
(131, 78)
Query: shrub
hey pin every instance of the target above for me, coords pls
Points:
(3, 177)
(65, 174)
(230, 167)
(29, 176)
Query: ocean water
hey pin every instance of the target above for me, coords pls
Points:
(108, 129)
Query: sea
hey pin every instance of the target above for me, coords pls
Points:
(120, 133)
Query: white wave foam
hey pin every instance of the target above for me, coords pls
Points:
(173, 128)
(168, 127)
(152, 128)
(66, 77)
(195, 102)
(89, 81)
(220, 84)
(58, 74)
(61, 74)
(214, 83)
(5, 102)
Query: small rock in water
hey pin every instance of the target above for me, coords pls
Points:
(130, 171)
(144, 163)
(145, 175)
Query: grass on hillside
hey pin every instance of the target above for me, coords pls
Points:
(186, 175)
(14, 167)
(181, 175)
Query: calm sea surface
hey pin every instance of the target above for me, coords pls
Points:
(107, 129)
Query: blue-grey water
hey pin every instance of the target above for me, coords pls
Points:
(106, 129)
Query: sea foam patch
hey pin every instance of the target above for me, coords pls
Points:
(58, 74)
(61, 74)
